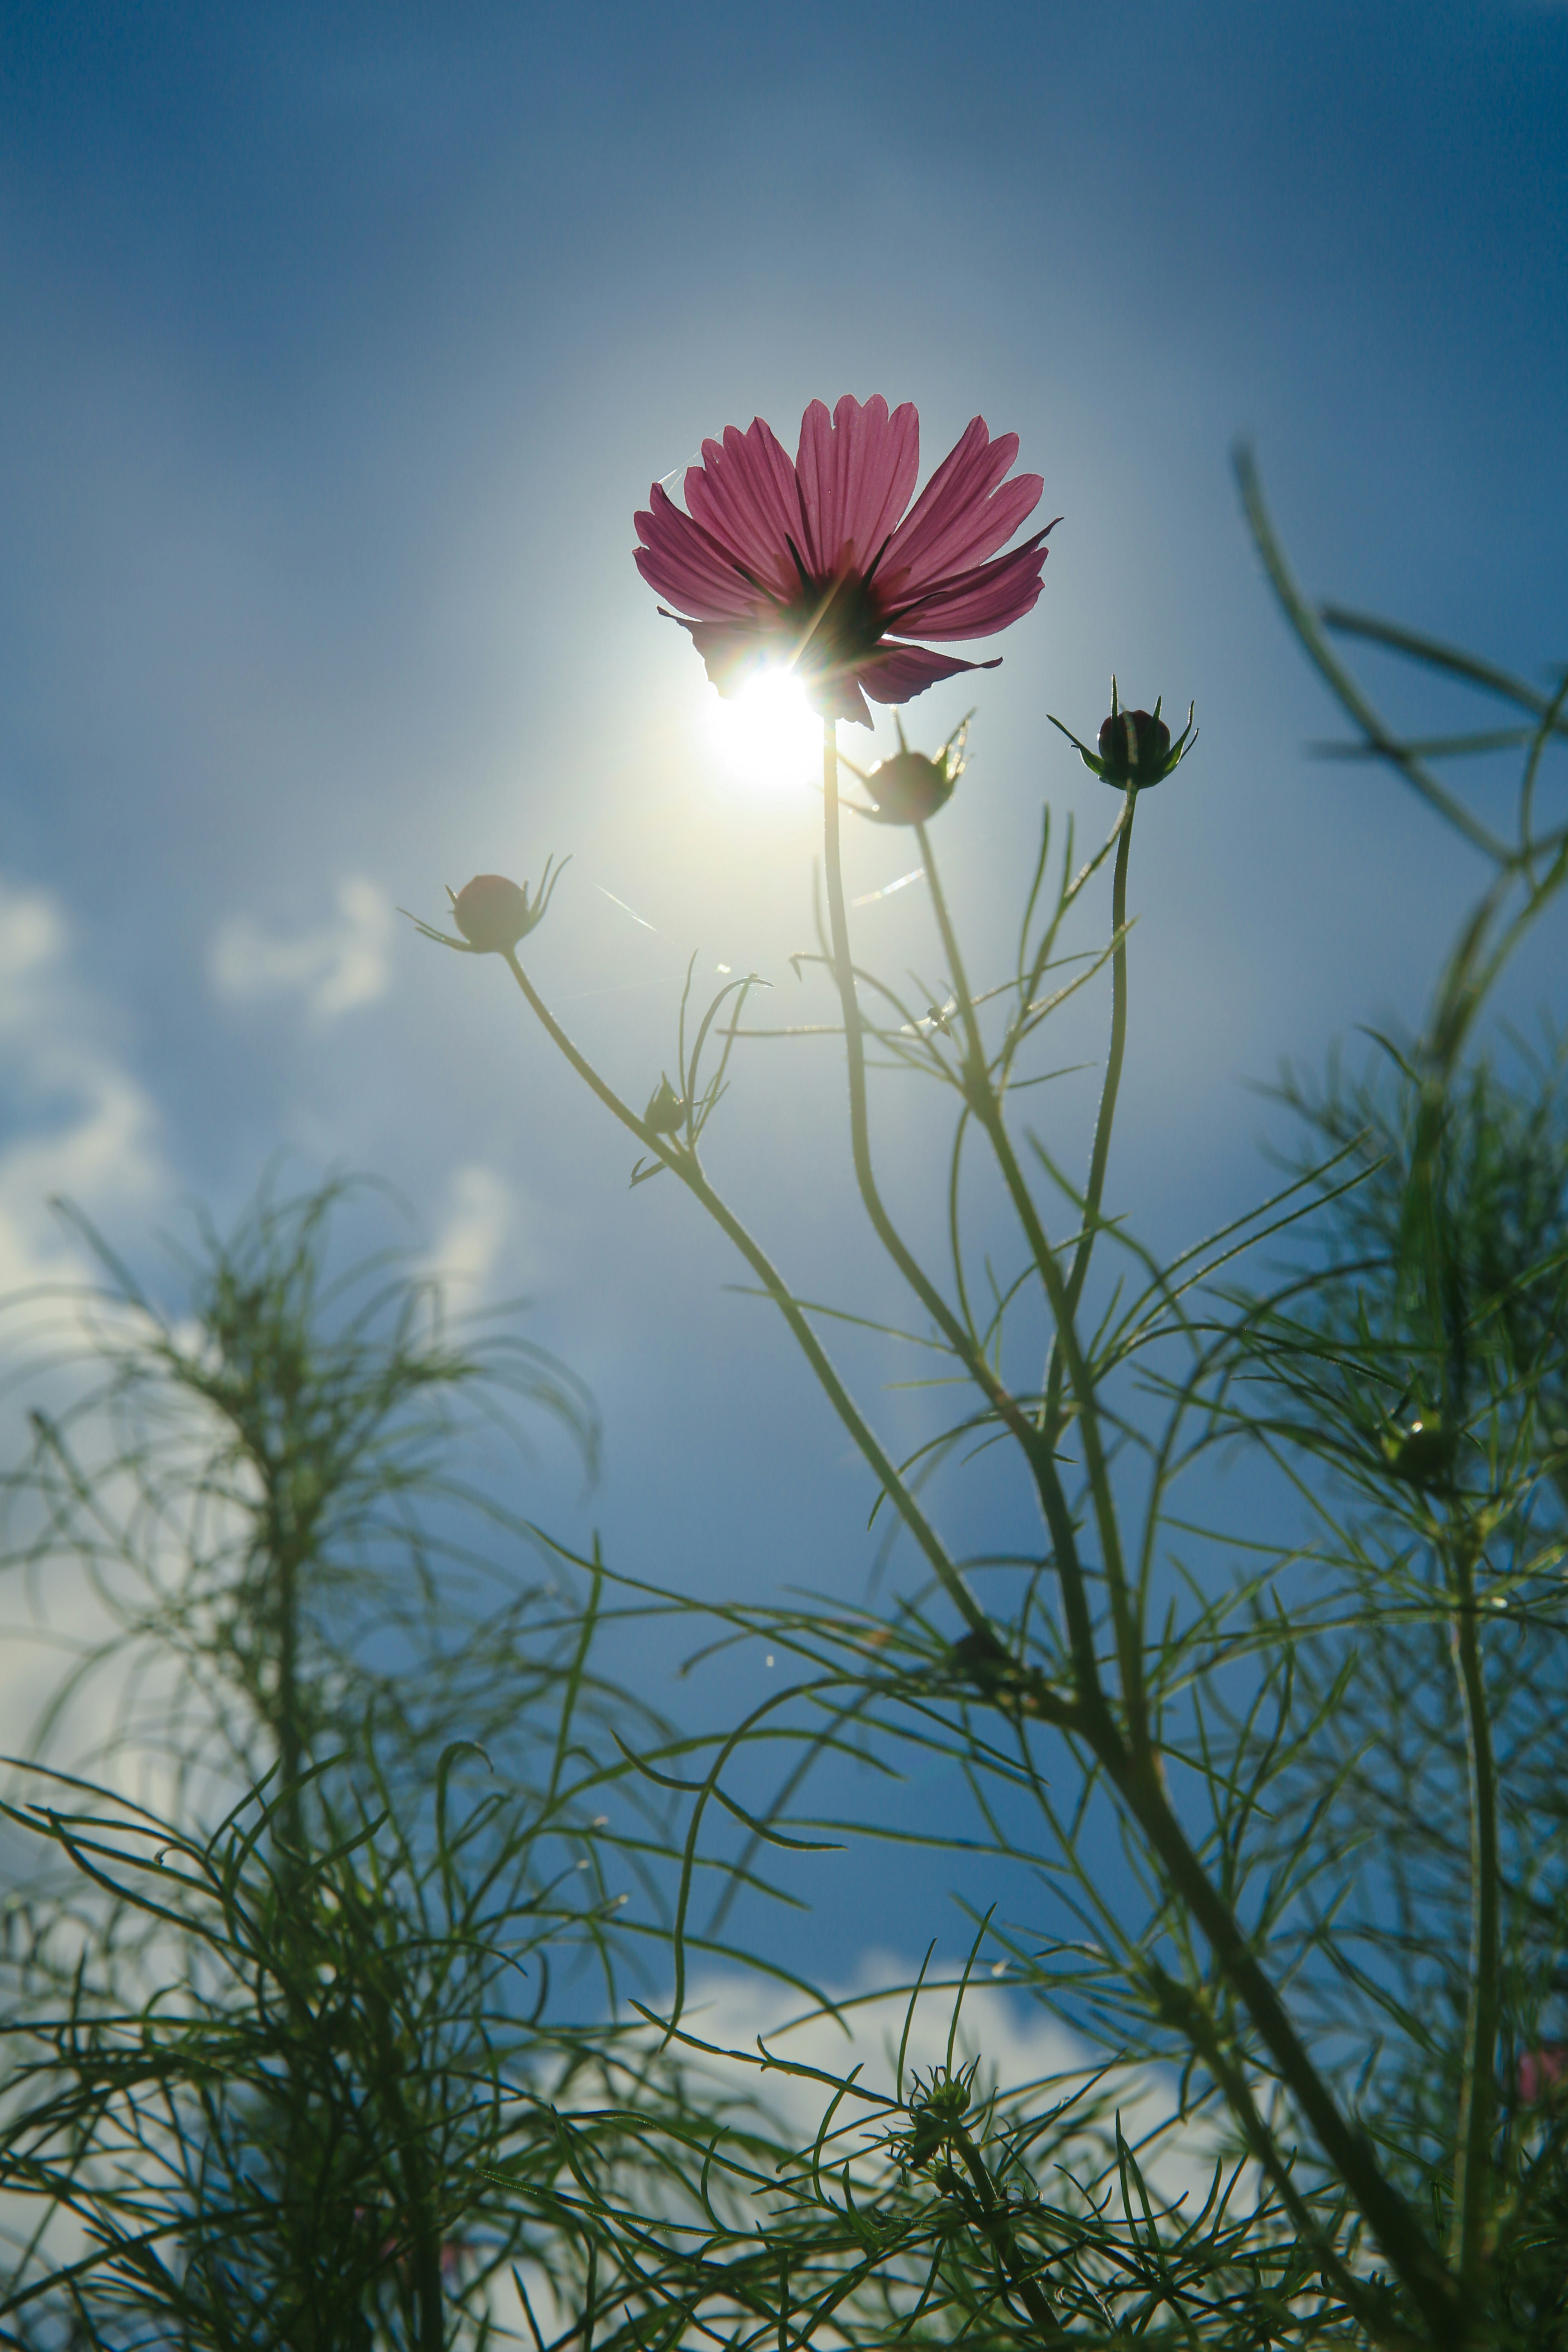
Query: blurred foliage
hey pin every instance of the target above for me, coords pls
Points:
(260, 2075)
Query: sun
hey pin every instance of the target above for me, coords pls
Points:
(767, 736)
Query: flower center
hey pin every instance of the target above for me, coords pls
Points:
(835, 624)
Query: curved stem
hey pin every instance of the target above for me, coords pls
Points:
(995, 2226)
(686, 1166)
(1133, 1766)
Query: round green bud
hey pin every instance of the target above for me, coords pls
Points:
(492, 913)
(1422, 1454)
(1135, 749)
(909, 788)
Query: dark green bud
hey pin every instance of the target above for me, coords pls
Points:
(666, 1109)
(1133, 748)
(1423, 1454)
(911, 787)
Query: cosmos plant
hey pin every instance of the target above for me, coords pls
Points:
(1281, 1748)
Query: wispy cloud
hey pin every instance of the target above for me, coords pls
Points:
(340, 964)
(475, 1231)
(79, 1122)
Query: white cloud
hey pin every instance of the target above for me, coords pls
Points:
(1020, 2049)
(475, 1229)
(342, 963)
(87, 1128)
(80, 1125)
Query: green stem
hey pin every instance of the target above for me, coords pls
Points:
(984, 1102)
(1052, 1497)
(287, 1727)
(1133, 1767)
(1419, 2268)
(1468, 2247)
(1134, 1772)
(1099, 1152)
(685, 1165)
(996, 2227)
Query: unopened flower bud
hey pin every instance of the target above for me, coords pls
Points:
(666, 1110)
(1423, 1454)
(492, 913)
(911, 787)
(908, 788)
(1133, 748)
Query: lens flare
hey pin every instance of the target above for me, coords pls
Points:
(767, 736)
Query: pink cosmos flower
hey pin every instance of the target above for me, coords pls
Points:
(816, 565)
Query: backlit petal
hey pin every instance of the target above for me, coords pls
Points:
(679, 560)
(973, 604)
(856, 474)
(899, 673)
(961, 516)
(744, 495)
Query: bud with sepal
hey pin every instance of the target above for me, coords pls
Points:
(666, 1111)
(494, 913)
(911, 787)
(1133, 747)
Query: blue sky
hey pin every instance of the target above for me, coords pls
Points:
(343, 342)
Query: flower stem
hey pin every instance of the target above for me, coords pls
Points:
(1100, 1151)
(685, 1165)
(1052, 1497)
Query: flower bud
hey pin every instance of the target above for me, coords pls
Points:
(911, 787)
(1423, 1455)
(1133, 748)
(666, 1110)
(908, 788)
(492, 913)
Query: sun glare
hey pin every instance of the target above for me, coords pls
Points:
(767, 736)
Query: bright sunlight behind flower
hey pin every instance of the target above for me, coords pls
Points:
(767, 736)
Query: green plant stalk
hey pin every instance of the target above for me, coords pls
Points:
(287, 1727)
(997, 2231)
(1137, 1782)
(1100, 1151)
(1134, 1771)
(1315, 646)
(1041, 1456)
(1053, 1500)
(1469, 2248)
(685, 1165)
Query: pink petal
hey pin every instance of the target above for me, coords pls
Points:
(961, 516)
(679, 560)
(840, 696)
(973, 604)
(856, 476)
(745, 495)
(901, 672)
(731, 652)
